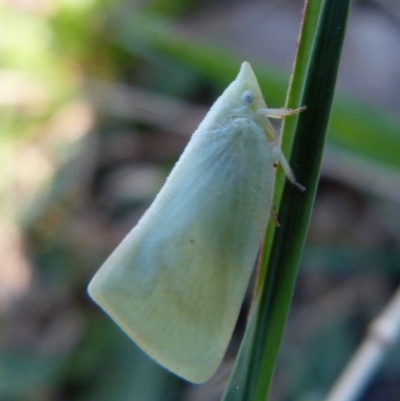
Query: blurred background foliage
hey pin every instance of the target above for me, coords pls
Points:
(97, 100)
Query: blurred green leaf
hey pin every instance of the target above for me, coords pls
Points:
(22, 375)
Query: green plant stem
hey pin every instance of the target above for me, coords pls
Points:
(253, 372)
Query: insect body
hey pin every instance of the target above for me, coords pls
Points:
(176, 283)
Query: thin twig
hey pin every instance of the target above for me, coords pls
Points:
(382, 334)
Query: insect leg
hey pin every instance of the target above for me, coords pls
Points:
(279, 156)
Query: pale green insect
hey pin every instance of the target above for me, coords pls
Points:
(176, 283)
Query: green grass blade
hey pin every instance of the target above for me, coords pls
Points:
(252, 376)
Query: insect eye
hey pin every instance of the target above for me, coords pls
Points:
(247, 97)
